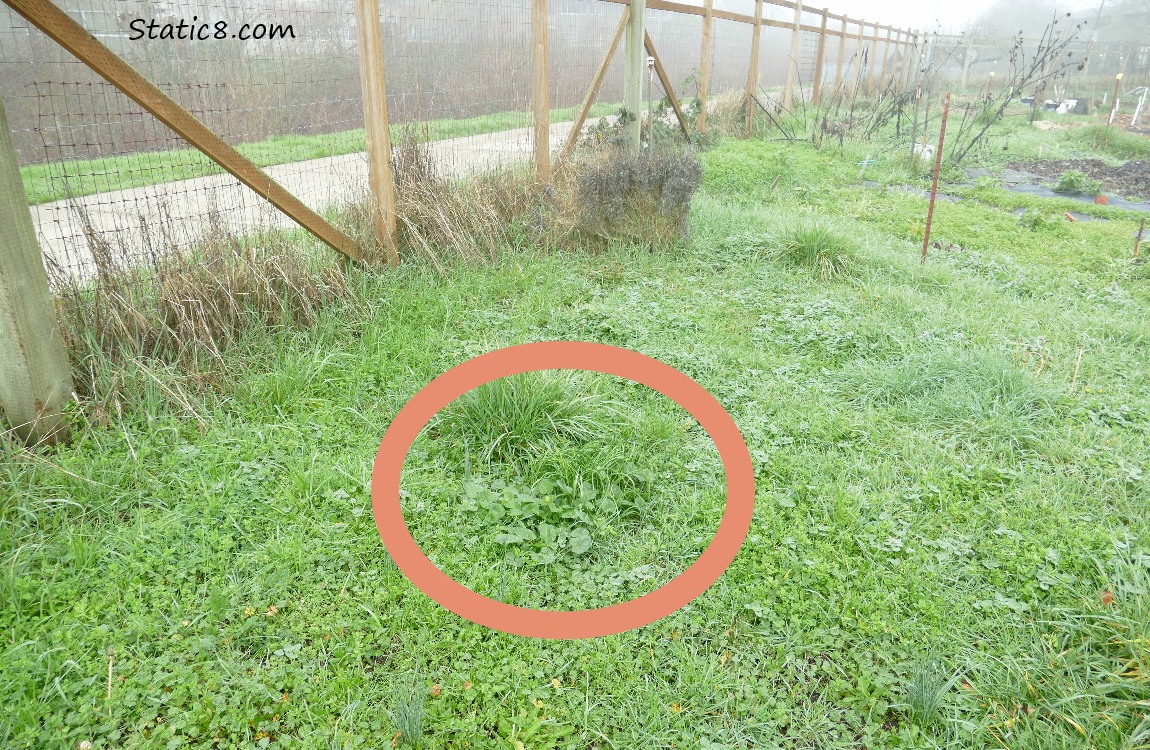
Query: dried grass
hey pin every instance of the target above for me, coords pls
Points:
(186, 306)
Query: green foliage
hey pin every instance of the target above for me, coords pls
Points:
(408, 713)
(817, 246)
(1074, 181)
(522, 417)
(1111, 141)
(546, 522)
(951, 480)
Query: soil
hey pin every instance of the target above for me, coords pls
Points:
(1131, 180)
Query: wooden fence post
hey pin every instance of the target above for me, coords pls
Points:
(541, 92)
(965, 65)
(817, 90)
(872, 61)
(35, 380)
(885, 59)
(705, 63)
(633, 72)
(793, 57)
(753, 70)
(841, 59)
(858, 66)
(377, 128)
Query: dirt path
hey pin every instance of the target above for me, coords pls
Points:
(138, 224)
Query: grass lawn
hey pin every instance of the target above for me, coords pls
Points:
(54, 181)
(950, 547)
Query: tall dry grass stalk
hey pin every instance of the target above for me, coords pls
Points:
(185, 306)
(472, 219)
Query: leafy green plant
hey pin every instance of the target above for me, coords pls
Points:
(548, 521)
(1073, 181)
(817, 246)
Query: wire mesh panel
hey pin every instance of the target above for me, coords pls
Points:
(462, 70)
(280, 81)
(107, 180)
(730, 57)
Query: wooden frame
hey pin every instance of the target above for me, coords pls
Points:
(541, 91)
(377, 127)
(817, 86)
(596, 85)
(705, 54)
(73, 37)
(753, 69)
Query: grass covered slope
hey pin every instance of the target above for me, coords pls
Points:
(950, 546)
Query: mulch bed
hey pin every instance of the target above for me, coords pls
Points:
(1131, 180)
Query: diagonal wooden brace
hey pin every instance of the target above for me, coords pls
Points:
(73, 37)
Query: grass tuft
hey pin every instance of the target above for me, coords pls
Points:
(816, 246)
(524, 417)
(1112, 141)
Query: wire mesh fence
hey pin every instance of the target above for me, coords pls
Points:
(279, 80)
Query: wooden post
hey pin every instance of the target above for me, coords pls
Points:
(885, 59)
(872, 60)
(541, 92)
(705, 63)
(59, 26)
(35, 381)
(934, 180)
(793, 61)
(859, 46)
(633, 72)
(669, 87)
(596, 85)
(377, 127)
(817, 90)
(841, 59)
(753, 70)
(965, 65)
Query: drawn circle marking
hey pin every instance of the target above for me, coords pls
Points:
(563, 355)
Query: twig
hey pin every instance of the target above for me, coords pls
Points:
(1077, 364)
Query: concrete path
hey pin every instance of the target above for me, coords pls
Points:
(141, 224)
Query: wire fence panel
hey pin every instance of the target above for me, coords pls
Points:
(279, 80)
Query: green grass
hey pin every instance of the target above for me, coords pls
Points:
(950, 546)
(54, 181)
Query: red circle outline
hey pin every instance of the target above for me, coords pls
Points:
(562, 355)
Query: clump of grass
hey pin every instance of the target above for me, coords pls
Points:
(408, 714)
(473, 218)
(815, 245)
(643, 197)
(1082, 679)
(523, 417)
(1074, 181)
(926, 688)
(1112, 141)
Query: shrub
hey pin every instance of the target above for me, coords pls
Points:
(1074, 181)
(644, 197)
(817, 246)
